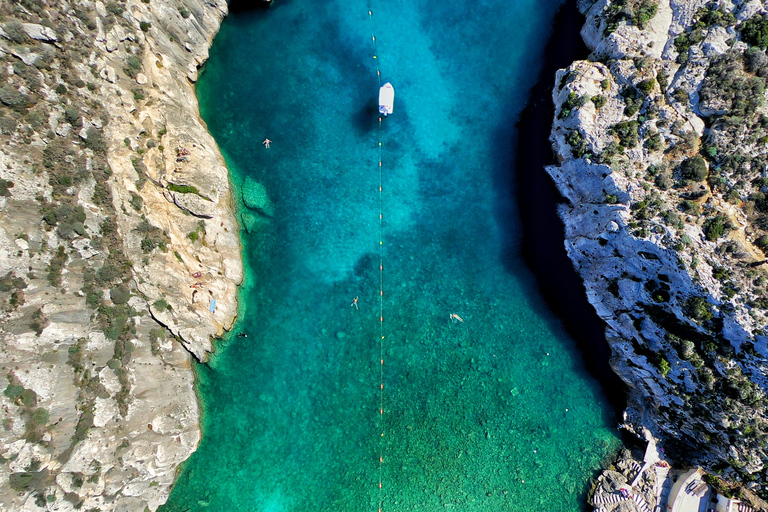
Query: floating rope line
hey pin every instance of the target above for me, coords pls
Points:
(381, 278)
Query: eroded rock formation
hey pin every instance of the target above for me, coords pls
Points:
(116, 237)
(661, 142)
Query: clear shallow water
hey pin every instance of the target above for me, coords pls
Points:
(493, 414)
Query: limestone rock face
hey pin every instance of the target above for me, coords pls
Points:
(671, 258)
(119, 254)
(627, 39)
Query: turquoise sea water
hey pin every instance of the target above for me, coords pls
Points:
(495, 413)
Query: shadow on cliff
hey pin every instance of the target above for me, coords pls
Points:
(243, 6)
(537, 199)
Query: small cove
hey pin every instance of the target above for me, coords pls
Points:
(495, 413)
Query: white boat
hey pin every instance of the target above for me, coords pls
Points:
(386, 99)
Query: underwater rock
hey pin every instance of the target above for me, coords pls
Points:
(255, 198)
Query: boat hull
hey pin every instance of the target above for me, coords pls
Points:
(386, 99)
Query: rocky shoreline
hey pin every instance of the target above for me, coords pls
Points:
(120, 250)
(664, 222)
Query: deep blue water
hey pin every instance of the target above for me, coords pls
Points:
(494, 413)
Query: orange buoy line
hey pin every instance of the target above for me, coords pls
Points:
(381, 281)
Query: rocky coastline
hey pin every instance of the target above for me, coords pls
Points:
(119, 249)
(660, 141)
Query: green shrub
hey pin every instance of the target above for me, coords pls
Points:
(627, 133)
(694, 169)
(115, 321)
(13, 391)
(28, 398)
(599, 101)
(145, 26)
(184, 13)
(70, 219)
(138, 94)
(756, 61)
(75, 356)
(109, 272)
(17, 299)
(680, 95)
(40, 417)
(114, 8)
(136, 201)
(120, 294)
(633, 101)
(571, 103)
(8, 124)
(578, 145)
(148, 245)
(183, 189)
(55, 267)
(727, 81)
(673, 219)
(754, 31)
(647, 86)
(162, 305)
(84, 424)
(193, 236)
(662, 78)
(664, 367)
(762, 243)
(710, 17)
(13, 98)
(653, 142)
(39, 322)
(645, 12)
(15, 32)
(133, 66)
(715, 227)
(698, 309)
(30, 481)
(94, 140)
(690, 207)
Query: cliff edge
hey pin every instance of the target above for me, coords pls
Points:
(662, 143)
(119, 254)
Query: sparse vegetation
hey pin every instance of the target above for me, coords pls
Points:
(133, 66)
(715, 227)
(635, 12)
(576, 141)
(754, 31)
(599, 101)
(694, 169)
(572, 102)
(162, 305)
(627, 133)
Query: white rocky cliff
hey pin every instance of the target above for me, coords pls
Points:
(661, 143)
(119, 255)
